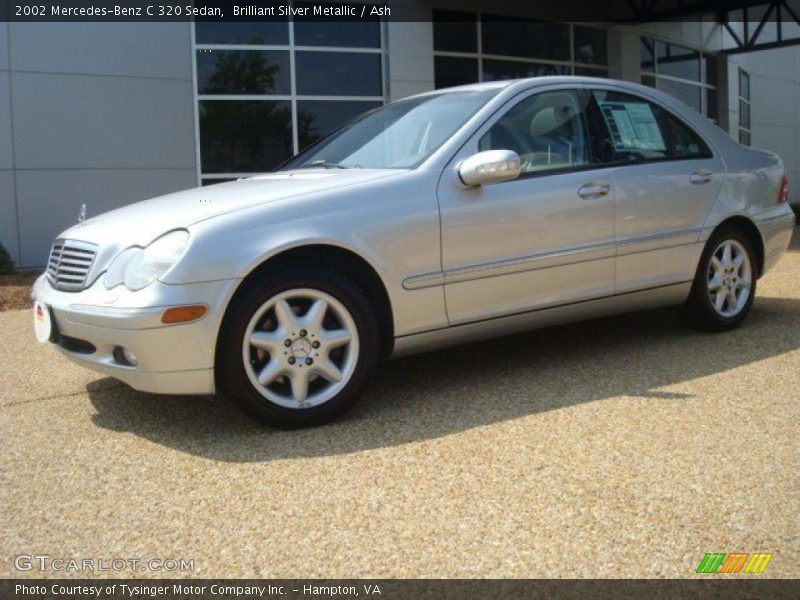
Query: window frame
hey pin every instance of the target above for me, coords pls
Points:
(293, 97)
(479, 55)
(655, 76)
(748, 130)
(470, 147)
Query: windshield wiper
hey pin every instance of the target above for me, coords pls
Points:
(324, 164)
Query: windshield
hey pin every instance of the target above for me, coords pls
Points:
(400, 135)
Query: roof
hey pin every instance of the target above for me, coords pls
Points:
(545, 80)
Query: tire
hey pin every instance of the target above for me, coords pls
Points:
(714, 309)
(293, 338)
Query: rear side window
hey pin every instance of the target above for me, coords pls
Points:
(632, 129)
(684, 142)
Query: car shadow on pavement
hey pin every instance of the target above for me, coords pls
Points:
(794, 244)
(432, 395)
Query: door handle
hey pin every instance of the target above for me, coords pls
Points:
(594, 190)
(700, 177)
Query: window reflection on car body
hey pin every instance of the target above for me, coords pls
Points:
(324, 164)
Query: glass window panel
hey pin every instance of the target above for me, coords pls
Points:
(712, 111)
(242, 32)
(711, 70)
(683, 141)
(509, 36)
(744, 85)
(647, 55)
(243, 72)
(244, 136)
(318, 118)
(364, 33)
(744, 137)
(685, 92)
(587, 72)
(450, 71)
(338, 74)
(214, 180)
(399, 135)
(547, 131)
(636, 129)
(744, 114)
(631, 128)
(591, 45)
(677, 61)
(495, 70)
(455, 31)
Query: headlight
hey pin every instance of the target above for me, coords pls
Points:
(115, 274)
(137, 268)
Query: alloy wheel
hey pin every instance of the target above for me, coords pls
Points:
(300, 348)
(730, 278)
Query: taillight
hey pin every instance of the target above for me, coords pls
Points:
(783, 195)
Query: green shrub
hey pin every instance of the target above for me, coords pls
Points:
(6, 264)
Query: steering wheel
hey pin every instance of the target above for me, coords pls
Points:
(510, 140)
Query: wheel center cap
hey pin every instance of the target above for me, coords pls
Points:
(301, 348)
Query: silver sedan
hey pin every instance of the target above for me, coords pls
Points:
(443, 218)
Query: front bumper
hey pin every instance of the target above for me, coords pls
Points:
(170, 359)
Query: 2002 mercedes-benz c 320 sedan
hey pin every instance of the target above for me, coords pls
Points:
(446, 217)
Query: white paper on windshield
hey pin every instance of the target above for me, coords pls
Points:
(633, 126)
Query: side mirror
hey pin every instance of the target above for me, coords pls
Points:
(491, 166)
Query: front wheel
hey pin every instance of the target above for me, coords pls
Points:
(725, 283)
(296, 346)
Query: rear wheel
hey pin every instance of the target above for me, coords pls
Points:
(296, 346)
(725, 283)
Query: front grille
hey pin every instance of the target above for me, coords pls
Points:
(69, 264)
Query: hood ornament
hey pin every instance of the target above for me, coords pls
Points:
(82, 213)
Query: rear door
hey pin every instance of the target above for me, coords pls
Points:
(666, 178)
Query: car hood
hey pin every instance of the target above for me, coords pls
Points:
(142, 222)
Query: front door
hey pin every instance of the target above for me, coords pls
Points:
(544, 239)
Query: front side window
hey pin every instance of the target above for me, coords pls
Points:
(400, 135)
(547, 130)
(632, 129)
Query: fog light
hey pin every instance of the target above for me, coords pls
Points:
(184, 314)
(124, 356)
(130, 357)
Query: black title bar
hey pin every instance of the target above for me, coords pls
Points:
(607, 11)
(393, 589)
